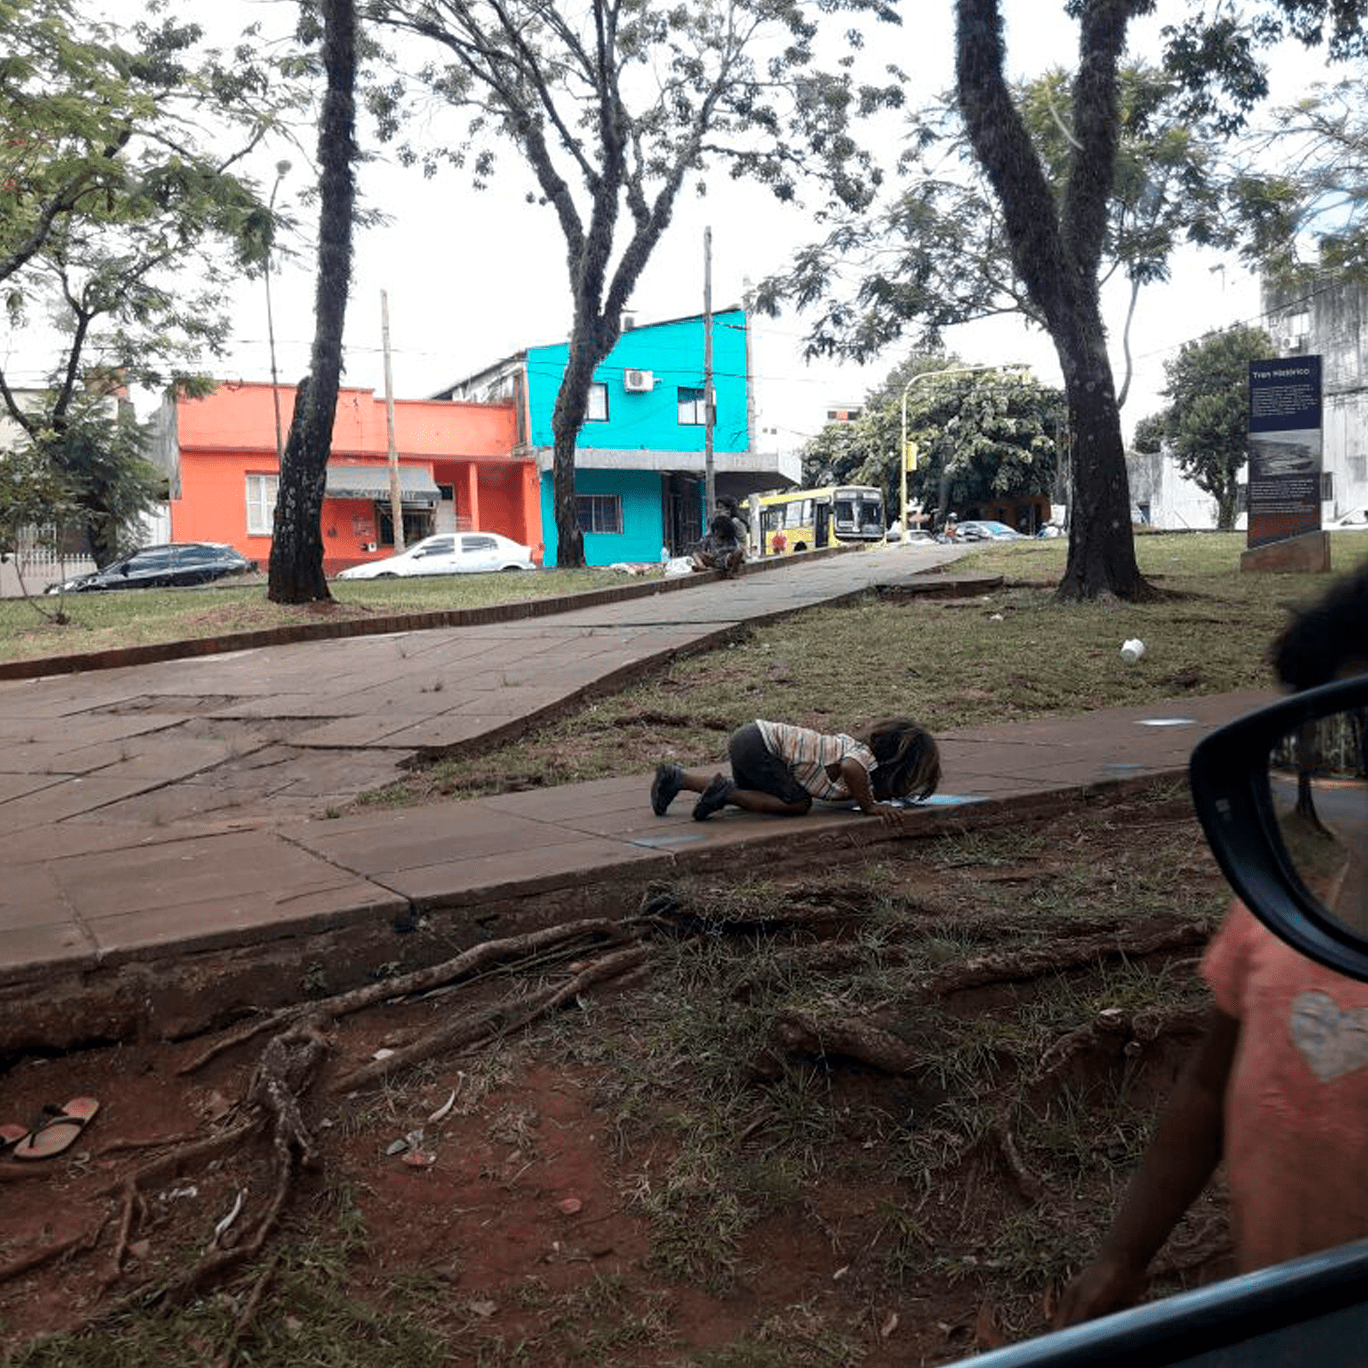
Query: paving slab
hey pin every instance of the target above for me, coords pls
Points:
(193, 810)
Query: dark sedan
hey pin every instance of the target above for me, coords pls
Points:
(162, 567)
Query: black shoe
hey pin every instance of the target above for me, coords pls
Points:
(714, 797)
(669, 779)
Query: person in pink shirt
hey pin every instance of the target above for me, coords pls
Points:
(1279, 1086)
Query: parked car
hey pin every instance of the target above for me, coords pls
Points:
(1051, 530)
(448, 553)
(980, 529)
(1356, 520)
(917, 534)
(176, 564)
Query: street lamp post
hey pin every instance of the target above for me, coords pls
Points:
(907, 389)
(282, 168)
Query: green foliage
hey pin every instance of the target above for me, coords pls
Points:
(101, 459)
(981, 435)
(119, 162)
(938, 255)
(1301, 202)
(35, 502)
(1206, 424)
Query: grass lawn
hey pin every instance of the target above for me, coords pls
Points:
(1011, 654)
(104, 621)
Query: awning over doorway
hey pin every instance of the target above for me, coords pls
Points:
(416, 487)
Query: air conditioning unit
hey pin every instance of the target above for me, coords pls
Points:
(638, 381)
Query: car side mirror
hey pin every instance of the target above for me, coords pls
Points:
(1283, 798)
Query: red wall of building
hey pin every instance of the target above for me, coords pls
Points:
(231, 434)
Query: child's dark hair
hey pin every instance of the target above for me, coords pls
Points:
(1323, 640)
(723, 527)
(909, 759)
(725, 501)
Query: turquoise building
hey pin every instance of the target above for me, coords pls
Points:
(640, 457)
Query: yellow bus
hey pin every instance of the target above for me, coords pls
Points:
(806, 519)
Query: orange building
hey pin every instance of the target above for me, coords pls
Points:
(460, 467)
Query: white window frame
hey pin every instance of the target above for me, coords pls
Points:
(595, 505)
(693, 411)
(596, 411)
(261, 503)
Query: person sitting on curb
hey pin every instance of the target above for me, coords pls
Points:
(1278, 1088)
(720, 549)
(779, 769)
(726, 504)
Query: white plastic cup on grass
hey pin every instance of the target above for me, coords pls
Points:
(1132, 650)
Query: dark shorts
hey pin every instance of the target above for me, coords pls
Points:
(756, 767)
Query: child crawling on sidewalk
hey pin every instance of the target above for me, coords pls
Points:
(779, 769)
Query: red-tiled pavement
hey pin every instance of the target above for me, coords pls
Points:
(181, 806)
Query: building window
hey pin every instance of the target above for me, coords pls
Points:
(597, 412)
(693, 407)
(599, 512)
(261, 502)
(1358, 469)
(1327, 483)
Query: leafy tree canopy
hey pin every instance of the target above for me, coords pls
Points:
(981, 435)
(120, 151)
(1303, 190)
(939, 255)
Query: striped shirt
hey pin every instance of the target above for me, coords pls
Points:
(807, 753)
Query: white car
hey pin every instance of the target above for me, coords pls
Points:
(448, 553)
(1355, 521)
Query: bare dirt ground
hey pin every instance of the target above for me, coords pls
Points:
(872, 1114)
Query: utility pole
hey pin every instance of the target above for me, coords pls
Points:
(396, 500)
(709, 408)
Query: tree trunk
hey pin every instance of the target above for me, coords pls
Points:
(1101, 559)
(296, 573)
(593, 337)
(1056, 247)
(1225, 506)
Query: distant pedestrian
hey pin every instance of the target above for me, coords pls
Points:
(726, 504)
(779, 769)
(720, 548)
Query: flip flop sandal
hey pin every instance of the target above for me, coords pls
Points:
(58, 1133)
(10, 1135)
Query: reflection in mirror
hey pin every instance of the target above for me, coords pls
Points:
(1318, 777)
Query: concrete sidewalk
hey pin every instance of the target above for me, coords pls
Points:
(171, 865)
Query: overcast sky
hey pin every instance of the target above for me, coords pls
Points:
(475, 275)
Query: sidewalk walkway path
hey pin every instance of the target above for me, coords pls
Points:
(168, 828)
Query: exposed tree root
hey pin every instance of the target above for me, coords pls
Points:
(1028, 1183)
(285, 1074)
(1114, 1031)
(419, 981)
(86, 1241)
(500, 1019)
(855, 1036)
(1014, 966)
(208, 1148)
(248, 1313)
